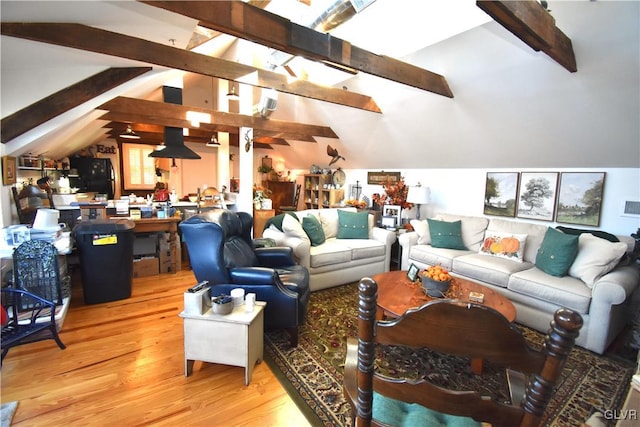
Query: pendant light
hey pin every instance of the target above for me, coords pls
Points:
(213, 142)
(129, 134)
(233, 95)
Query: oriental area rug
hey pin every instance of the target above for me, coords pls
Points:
(312, 372)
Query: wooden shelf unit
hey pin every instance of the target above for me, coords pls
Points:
(318, 193)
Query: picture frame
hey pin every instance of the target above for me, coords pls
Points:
(267, 162)
(382, 177)
(388, 222)
(580, 198)
(412, 273)
(393, 211)
(9, 170)
(501, 193)
(537, 192)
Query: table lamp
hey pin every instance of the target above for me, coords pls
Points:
(418, 195)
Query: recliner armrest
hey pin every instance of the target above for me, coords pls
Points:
(279, 256)
(254, 275)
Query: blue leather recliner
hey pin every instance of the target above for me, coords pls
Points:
(221, 251)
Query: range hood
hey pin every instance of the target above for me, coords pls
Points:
(174, 147)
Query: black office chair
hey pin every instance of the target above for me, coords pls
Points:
(221, 251)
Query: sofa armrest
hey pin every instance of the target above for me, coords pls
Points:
(382, 235)
(301, 247)
(616, 286)
(407, 240)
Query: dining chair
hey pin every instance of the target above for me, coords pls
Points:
(452, 328)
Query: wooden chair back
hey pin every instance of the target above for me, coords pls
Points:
(461, 329)
(28, 200)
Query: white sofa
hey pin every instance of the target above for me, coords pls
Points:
(336, 261)
(599, 284)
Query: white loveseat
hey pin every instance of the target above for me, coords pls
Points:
(599, 283)
(337, 261)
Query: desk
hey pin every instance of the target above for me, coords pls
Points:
(167, 225)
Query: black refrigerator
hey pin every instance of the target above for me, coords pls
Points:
(94, 175)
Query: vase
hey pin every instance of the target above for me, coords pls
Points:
(435, 288)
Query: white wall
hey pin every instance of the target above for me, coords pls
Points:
(461, 191)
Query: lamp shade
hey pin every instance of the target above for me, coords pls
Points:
(419, 195)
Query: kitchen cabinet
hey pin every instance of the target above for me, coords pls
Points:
(282, 193)
(318, 193)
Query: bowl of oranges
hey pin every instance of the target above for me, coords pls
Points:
(435, 281)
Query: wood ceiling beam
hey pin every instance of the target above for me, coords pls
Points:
(269, 140)
(252, 23)
(64, 100)
(283, 135)
(532, 24)
(175, 115)
(91, 39)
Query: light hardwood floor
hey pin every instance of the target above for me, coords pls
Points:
(123, 366)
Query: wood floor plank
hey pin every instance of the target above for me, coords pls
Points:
(124, 366)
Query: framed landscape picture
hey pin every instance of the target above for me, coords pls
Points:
(580, 198)
(537, 195)
(500, 193)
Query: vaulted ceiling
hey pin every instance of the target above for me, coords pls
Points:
(125, 51)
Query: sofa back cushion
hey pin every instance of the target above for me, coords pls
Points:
(596, 257)
(557, 252)
(535, 233)
(329, 220)
(504, 245)
(353, 225)
(473, 228)
(311, 225)
(446, 234)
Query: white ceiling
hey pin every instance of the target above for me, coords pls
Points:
(390, 27)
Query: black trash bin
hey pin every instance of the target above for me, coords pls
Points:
(106, 258)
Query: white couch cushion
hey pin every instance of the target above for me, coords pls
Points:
(292, 228)
(535, 234)
(492, 270)
(596, 257)
(365, 248)
(429, 255)
(566, 291)
(332, 251)
(421, 226)
(473, 228)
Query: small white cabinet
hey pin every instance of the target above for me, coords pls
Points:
(234, 339)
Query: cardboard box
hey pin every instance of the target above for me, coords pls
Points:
(145, 267)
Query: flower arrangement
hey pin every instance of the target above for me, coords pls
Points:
(437, 273)
(360, 204)
(395, 194)
(260, 193)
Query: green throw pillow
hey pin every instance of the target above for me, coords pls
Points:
(446, 234)
(557, 252)
(313, 228)
(353, 225)
(277, 220)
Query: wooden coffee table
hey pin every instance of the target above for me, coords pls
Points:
(397, 294)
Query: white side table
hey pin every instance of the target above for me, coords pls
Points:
(234, 339)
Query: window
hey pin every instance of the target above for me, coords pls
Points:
(139, 171)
